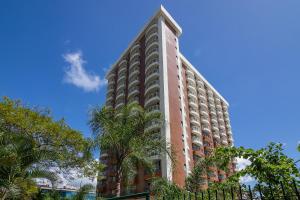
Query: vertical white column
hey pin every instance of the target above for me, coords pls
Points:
(164, 98)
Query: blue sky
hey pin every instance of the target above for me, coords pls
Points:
(248, 50)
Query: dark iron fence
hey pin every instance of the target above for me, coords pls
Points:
(242, 192)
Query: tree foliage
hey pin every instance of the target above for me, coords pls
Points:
(30, 143)
(121, 134)
(164, 189)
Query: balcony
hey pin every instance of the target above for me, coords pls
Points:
(111, 75)
(133, 91)
(197, 140)
(195, 121)
(219, 107)
(206, 130)
(200, 83)
(211, 99)
(204, 112)
(110, 98)
(152, 75)
(214, 120)
(222, 127)
(152, 45)
(133, 99)
(120, 94)
(152, 98)
(153, 109)
(216, 136)
(202, 97)
(135, 55)
(192, 88)
(153, 34)
(152, 53)
(204, 121)
(151, 27)
(191, 80)
(224, 142)
(194, 112)
(153, 38)
(195, 130)
(108, 105)
(210, 92)
(123, 62)
(134, 63)
(111, 82)
(121, 86)
(122, 70)
(134, 81)
(152, 86)
(135, 47)
(119, 104)
(153, 125)
(134, 72)
(228, 126)
(154, 63)
(223, 134)
(203, 105)
(121, 77)
(193, 103)
(192, 95)
(215, 128)
(189, 72)
(110, 90)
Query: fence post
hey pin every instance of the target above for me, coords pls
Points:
(260, 193)
(195, 195)
(296, 189)
(148, 196)
(202, 196)
(190, 196)
(250, 192)
(216, 194)
(208, 194)
(240, 190)
(224, 195)
(283, 191)
(232, 194)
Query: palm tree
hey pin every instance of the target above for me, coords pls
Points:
(19, 166)
(122, 134)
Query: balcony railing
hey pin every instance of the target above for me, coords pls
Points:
(152, 74)
(135, 47)
(151, 86)
(153, 97)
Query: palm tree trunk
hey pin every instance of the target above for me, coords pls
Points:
(119, 181)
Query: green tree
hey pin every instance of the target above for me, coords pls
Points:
(164, 189)
(122, 133)
(19, 166)
(196, 178)
(31, 143)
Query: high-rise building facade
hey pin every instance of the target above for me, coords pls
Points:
(153, 72)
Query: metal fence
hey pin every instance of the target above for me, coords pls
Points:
(258, 192)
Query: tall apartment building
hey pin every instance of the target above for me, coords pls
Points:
(153, 72)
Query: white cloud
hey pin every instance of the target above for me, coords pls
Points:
(78, 76)
(242, 163)
(246, 179)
